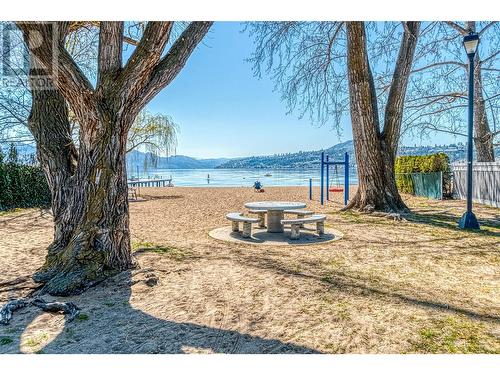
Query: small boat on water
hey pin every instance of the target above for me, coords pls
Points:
(268, 174)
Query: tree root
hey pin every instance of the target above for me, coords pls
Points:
(370, 210)
(396, 216)
(67, 308)
(16, 281)
(20, 283)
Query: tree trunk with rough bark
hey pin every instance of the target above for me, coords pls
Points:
(483, 136)
(93, 241)
(49, 124)
(89, 187)
(375, 149)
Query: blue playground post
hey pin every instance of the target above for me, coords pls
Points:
(327, 178)
(310, 189)
(346, 179)
(322, 178)
(327, 163)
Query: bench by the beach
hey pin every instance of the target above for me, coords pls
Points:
(236, 218)
(298, 223)
(300, 214)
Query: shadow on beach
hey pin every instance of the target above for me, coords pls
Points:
(109, 324)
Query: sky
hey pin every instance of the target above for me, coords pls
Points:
(223, 110)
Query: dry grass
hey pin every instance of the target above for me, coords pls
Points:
(387, 287)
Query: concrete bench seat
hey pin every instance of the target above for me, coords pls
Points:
(300, 214)
(262, 217)
(296, 224)
(236, 218)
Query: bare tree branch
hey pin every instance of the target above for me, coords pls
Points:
(487, 27)
(457, 27)
(491, 57)
(440, 63)
(145, 57)
(68, 77)
(170, 65)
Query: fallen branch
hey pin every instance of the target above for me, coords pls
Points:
(9, 308)
(67, 308)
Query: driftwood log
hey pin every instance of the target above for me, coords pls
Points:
(9, 308)
(67, 308)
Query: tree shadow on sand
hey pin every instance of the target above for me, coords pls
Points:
(108, 323)
(356, 284)
(447, 220)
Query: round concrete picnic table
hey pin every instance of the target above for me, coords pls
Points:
(275, 212)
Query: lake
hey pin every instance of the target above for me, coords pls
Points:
(243, 177)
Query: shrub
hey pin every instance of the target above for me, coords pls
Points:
(21, 185)
(406, 165)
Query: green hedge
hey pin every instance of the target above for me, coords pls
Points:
(21, 185)
(406, 165)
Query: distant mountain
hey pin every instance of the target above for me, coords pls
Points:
(311, 159)
(297, 160)
(140, 159)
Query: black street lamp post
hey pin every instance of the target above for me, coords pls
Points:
(468, 220)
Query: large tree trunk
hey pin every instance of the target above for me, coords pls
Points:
(376, 150)
(48, 123)
(483, 137)
(94, 241)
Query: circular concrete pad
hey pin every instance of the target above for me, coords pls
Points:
(260, 236)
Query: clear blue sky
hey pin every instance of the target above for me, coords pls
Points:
(224, 111)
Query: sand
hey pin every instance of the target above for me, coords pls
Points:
(385, 287)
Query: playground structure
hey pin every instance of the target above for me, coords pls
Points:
(325, 165)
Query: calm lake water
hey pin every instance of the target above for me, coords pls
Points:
(242, 177)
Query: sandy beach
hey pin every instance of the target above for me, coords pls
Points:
(414, 286)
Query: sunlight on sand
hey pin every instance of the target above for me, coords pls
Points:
(40, 332)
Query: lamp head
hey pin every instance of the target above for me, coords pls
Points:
(470, 43)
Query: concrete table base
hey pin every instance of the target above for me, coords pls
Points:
(274, 221)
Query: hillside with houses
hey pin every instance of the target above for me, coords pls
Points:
(311, 159)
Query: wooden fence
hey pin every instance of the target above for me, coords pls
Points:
(486, 182)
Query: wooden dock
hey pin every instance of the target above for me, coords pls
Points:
(150, 183)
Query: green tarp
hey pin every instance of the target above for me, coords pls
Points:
(428, 185)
